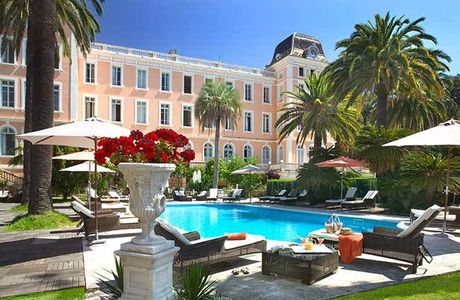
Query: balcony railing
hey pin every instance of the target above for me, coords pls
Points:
(181, 59)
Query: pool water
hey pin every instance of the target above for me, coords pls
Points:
(275, 224)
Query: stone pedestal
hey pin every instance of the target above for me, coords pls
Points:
(148, 270)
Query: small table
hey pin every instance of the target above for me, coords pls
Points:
(329, 238)
(307, 267)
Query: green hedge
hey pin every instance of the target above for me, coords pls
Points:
(276, 185)
(364, 184)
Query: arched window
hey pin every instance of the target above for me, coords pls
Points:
(280, 153)
(300, 155)
(7, 140)
(247, 151)
(208, 151)
(188, 146)
(266, 154)
(229, 151)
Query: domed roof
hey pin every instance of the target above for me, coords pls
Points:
(300, 45)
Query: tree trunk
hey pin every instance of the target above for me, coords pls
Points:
(382, 109)
(216, 155)
(27, 128)
(317, 141)
(42, 36)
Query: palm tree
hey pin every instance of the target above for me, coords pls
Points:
(316, 111)
(216, 104)
(38, 18)
(387, 57)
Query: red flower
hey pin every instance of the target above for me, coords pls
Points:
(164, 157)
(100, 156)
(188, 155)
(151, 136)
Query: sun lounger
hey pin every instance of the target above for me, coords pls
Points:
(234, 196)
(195, 250)
(302, 196)
(402, 244)
(452, 218)
(212, 195)
(350, 195)
(180, 196)
(282, 193)
(201, 196)
(368, 201)
(4, 195)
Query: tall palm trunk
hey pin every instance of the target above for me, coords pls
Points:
(27, 128)
(216, 155)
(41, 65)
(317, 141)
(382, 110)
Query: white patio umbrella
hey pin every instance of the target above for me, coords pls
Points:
(84, 156)
(249, 170)
(83, 134)
(445, 134)
(83, 167)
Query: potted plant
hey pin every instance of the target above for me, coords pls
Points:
(146, 162)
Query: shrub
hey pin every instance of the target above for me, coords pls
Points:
(196, 284)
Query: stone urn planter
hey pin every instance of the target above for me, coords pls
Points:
(147, 182)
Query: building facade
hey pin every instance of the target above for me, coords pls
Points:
(145, 90)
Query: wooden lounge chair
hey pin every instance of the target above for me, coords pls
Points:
(350, 195)
(194, 250)
(201, 196)
(302, 196)
(404, 245)
(107, 220)
(212, 195)
(114, 196)
(180, 196)
(368, 201)
(235, 195)
(282, 193)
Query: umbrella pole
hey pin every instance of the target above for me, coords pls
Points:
(88, 194)
(341, 184)
(446, 200)
(96, 233)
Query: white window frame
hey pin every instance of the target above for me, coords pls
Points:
(304, 69)
(300, 147)
(192, 118)
(15, 137)
(225, 126)
(60, 95)
(116, 65)
(300, 86)
(192, 85)
(23, 51)
(15, 59)
(252, 151)
(170, 81)
(15, 92)
(232, 81)
(84, 105)
(252, 92)
(95, 72)
(269, 122)
(212, 150)
(269, 94)
(146, 78)
(146, 112)
(23, 93)
(61, 56)
(233, 150)
(280, 92)
(111, 98)
(169, 115)
(269, 154)
(252, 120)
(280, 154)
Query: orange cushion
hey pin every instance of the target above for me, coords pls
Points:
(236, 236)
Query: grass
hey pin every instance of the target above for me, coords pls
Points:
(444, 287)
(69, 294)
(22, 208)
(49, 220)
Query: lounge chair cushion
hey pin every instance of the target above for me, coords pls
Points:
(212, 193)
(236, 236)
(174, 231)
(82, 209)
(250, 239)
(414, 226)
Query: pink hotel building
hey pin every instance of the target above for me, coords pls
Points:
(144, 90)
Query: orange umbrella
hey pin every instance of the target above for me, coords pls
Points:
(342, 162)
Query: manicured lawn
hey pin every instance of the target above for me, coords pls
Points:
(21, 208)
(50, 220)
(69, 294)
(444, 287)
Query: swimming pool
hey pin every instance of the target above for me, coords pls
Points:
(275, 224)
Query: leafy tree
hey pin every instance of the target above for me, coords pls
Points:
(216, 104)
(66, 183)
(44, 21)
(247, 182)
(381, 159)
(386, 57)
(315, 110)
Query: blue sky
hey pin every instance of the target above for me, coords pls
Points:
(245, 32)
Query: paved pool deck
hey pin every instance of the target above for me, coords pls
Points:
(366, 272)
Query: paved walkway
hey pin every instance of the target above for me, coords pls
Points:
(39, 261)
